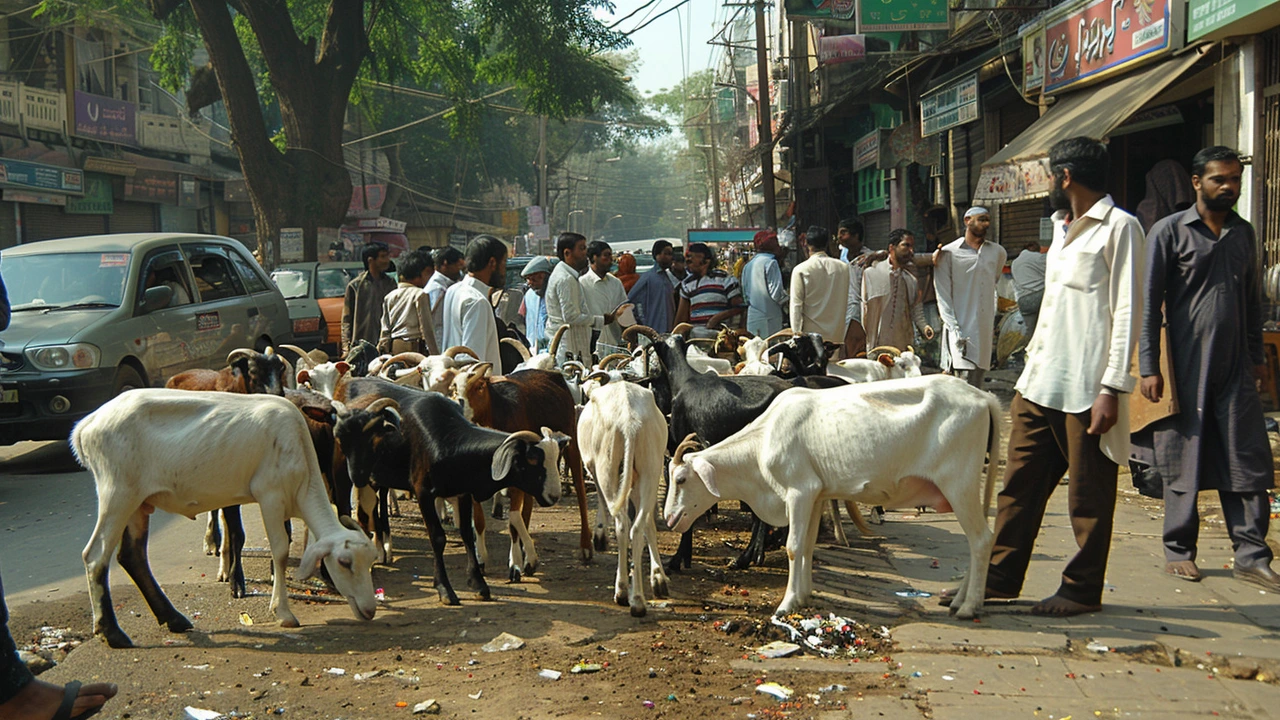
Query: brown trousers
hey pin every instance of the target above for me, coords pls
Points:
(402, 346)
(1044, 444)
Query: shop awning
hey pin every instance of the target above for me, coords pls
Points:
(1020, 171)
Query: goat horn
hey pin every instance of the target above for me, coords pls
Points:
(690, 441)
(519, 346)
(910, 349)
(303, 357)
(481, 370)
(573, 367)
(683, 329)
(895, 352)
(526, 435)
(454, 351)
(381, 404)
(784, 332)
(410, 378)
(600, 375)
(409, 358)
(630, 333)
(238, 354)
(702, 341)
(612, 357)
(555, 340)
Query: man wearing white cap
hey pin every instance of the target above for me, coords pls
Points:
(534, 307)
(965, 280)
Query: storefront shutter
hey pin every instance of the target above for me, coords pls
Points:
(47, 222)
(1020, 223)
(1269, 227)
(876, 227)
(130, 217)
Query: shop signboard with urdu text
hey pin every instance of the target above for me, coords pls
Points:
(38, 176)
(949, 106)
(838, 9)
(901, 15)
(836, 49)
(1099, 37)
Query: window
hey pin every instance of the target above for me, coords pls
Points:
(872, 193)
(166, 267)
(332, 282)
(41, 282)
(252, 279)
(216, 279)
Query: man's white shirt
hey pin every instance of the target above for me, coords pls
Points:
(468, 320)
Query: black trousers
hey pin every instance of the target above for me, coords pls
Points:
(13, 674)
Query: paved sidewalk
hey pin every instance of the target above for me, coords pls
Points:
(1161, 647)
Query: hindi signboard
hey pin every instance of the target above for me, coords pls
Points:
(105, 118)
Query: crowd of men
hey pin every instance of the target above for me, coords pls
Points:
(1102, 295)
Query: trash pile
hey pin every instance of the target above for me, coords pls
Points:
(835, 636)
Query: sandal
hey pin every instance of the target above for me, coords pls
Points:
(1183, 570)
(71, 693)
(946, 596)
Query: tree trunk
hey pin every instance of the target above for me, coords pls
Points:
(307, 186)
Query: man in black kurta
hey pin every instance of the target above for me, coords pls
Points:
(1202, 269)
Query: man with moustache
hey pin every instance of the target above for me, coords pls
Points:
(1203, 280)
(1066, 414)
(965, 279)
(567, 304)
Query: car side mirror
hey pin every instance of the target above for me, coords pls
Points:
(156, 297)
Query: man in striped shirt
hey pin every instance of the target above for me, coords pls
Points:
(708, 296)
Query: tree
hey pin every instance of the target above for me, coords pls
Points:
(305, 56)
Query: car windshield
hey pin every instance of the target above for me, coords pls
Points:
(63, 280)
(332, 282)
(292, 283)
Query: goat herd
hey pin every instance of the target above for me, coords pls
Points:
(788, 438)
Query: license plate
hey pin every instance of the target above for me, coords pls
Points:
(9, 395)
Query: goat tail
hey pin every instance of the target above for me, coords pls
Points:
(993, 452)
(619, 504)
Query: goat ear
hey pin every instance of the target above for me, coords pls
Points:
(885, 359)
(392, 416)
(315, 554)
(504, 457)
(303, 377)
(707, 472)
(342, 367)
(319, 414)
(831, 348)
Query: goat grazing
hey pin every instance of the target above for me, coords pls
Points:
(787, 462)
(624, 440)
(251, 449)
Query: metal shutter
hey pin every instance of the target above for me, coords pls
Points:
(1020, 223)
(46, 222)
(875, 229)
(134, 217)
(1268, 175)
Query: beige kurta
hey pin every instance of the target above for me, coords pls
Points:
(820, 297)
(891, 304)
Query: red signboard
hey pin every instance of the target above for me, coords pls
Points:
(1103, 35)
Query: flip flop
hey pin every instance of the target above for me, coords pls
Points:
(947, 596)
(1190, 573)
(69, 695)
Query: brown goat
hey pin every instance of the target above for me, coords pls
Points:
(527, 400)
(246, 372)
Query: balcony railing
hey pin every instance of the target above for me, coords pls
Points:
(43, 109)
(9, 103)
(171, 134)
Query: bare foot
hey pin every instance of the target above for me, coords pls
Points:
(1056, 606)
(40, 700)
(1184, 570)
(946, 596)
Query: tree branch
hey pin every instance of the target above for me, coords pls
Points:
(285, 54)
(162, 9)
(235, 79)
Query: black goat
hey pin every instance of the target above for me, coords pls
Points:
(404, 434)
(807, 355)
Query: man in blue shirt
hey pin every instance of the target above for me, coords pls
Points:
(534, 309)
(653, 294)
(762, 286)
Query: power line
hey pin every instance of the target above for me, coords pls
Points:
(655, 18)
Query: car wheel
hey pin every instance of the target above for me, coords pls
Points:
(127, 379)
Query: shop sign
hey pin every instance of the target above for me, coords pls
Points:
(1011, 182)
(1210, 15)
(841, 49)
(18, 196)
(838, 9)
(866, 151)
(900, 15)
(534, 215)
(291, 245)
(1103, 36)
(950, 106)
(1033, 59)
(106, 119)
(155, 186)
(188, 192)
(36, 176)
(381, 223)
(97, 198)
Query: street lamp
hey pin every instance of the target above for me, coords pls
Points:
(606, 223)
(570, 218)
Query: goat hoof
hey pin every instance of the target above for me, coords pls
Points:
(964, 614)
(117, 639)
(620, 597)
(600, 540)
(530, 568)
(673, 566)
(659, 587)
(484, 593)
(513, 575)
(586, 554)
(290, 623)
(178, 624)
(638, 611)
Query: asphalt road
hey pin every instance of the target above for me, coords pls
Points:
(48, 507)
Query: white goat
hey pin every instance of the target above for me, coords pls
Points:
(754, 352)
(543, 360)
(189, 452)
(931, 434)
(623, 438)
(882, 367)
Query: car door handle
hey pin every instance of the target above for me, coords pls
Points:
(253, 312)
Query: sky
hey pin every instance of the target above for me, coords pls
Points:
(662, 60)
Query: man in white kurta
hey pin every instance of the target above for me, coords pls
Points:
(603, 293)
(468, 315)
(965, 280)
(567, 304)
(820, 290)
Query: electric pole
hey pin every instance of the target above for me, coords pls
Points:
(766, 129)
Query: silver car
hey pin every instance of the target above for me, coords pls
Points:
(94, 316)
